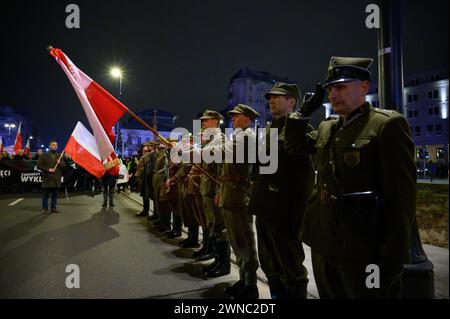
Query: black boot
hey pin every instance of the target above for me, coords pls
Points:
(277, 289)
(297, 291)
(211, 267)
(205, 241)
(232, 290)
(192, 240)
(224, 266)
(209, 253)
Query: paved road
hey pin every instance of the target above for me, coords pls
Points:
(118, 255)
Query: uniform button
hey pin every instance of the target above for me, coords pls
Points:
(337, 139)
(341, 128)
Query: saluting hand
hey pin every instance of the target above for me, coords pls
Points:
(312, 101)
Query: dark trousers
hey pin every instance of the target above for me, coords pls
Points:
(341, 279)
(45, 194)
(146, 203)
(281, 252)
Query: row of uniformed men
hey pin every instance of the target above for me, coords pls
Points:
(355, 214)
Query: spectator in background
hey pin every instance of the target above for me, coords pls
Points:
(108, 183)
(122, 182)
(38, 154)
(20, 156)
(132, 168)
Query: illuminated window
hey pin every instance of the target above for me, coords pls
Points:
(436, 94)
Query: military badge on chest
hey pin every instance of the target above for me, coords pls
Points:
(352, 157)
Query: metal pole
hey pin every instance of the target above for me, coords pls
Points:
(418, 277)
(118, 122)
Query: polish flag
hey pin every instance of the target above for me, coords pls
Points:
(18, 141)
(101, 108)
(26, 150)
(82, 147)
(1, 147)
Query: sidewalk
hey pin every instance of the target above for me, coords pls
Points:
(438, 256)
(440, 181)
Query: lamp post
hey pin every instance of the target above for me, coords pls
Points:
(418, 277)
(118, 74)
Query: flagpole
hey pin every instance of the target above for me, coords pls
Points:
(59, 160)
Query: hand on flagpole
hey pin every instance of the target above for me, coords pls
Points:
(57, 163)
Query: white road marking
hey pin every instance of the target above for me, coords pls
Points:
(16, 201)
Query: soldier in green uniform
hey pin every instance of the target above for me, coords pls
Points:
(189, 221)
(278, 200)
(144, 175)
(235, 193)
(218, 244)
(363, 206)
(159, 178)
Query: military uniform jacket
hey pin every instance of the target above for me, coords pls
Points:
(281, 197)
(47, 161)
(235, 188)
(371, 151)
(207, 186)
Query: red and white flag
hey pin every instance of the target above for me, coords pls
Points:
(1, 146)
(26, 150)
(101, 108)
(18, 141)
(82, 147)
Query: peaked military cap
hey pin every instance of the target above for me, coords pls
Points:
(281, 88)
(342, 69)
(245, 110)
(208, 114)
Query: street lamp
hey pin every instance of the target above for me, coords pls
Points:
(9, 127)
(117, 74)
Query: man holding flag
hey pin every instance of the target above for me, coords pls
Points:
(50, 164)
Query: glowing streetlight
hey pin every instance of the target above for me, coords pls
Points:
(117, 74)
(9, 126)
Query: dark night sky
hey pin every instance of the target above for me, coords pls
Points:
(180, 55)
